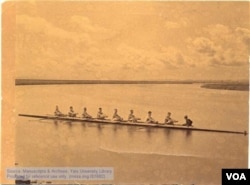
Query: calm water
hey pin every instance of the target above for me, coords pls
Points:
(138, 155)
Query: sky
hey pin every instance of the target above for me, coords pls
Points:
(132, 40)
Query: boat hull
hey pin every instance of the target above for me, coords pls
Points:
(141, 124)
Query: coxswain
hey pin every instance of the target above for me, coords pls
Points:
(189, 122)
(116, 117)
(72, 112)
(58, 112)
(169, 120)
(101, 115)
(85, 114)
(150, 119)
(132, 118)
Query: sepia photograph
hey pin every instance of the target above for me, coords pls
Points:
(124, 92)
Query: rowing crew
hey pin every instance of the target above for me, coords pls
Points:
(100, 114)
(116, 117)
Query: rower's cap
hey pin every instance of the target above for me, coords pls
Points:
(149, 112)
(186, 116)
(131, 110)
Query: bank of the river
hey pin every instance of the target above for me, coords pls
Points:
(228, 86)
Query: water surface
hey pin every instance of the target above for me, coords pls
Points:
(138, 155)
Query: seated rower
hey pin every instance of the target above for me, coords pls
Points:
(101, 115)
(169, 120)
(189, 122)
(150, 119)
(132, 118)
(71, 112)
(58, 112)
(116, 117)
(85, 114)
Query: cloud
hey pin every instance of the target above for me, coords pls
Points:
(41, 42)
(165, 59)
(172, 25)
(221, 46)
(86, 25)
(174, 58)
(83, 24)
(182, 22)
(39, 25)
(139, 59)
(244, 35)
(204, 45)
(219, 31)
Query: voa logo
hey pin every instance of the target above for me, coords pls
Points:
(236, 176)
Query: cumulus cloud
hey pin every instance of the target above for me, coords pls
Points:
(244, 35)
(219, 31)
(37, 39)
(136, 59)
(221, 45)
(86, 25)
(176, 24)
(205, 46)
(173, 57)
(40, 25)
(82, 46)
(165, 59)
(83, 24)
(171, 25)
(165, 62)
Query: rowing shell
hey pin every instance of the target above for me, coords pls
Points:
(159, 125)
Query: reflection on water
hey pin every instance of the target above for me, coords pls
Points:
(167, 132)
(99, 126)
(131, 130)
(188, 133)
(149, 130)
(69, 124)
(56, 122)
(135, 152)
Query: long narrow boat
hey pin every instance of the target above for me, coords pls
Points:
(141, 124)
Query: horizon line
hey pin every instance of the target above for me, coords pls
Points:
(58, 82)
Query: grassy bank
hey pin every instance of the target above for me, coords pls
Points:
(58, 82)
(228, 86)
(241, 86)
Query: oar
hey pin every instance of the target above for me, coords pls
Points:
(41, 182)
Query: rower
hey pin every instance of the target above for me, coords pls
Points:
(101, 115)
(169, 120)
(71, 112)
(116, 117)
(150, 119)
(58, 112)
(85, 114)
(132, 118)
(188, 121)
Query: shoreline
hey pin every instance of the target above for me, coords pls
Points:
(220, 85)
(63, 82)
(227, 86)
(58, 82)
